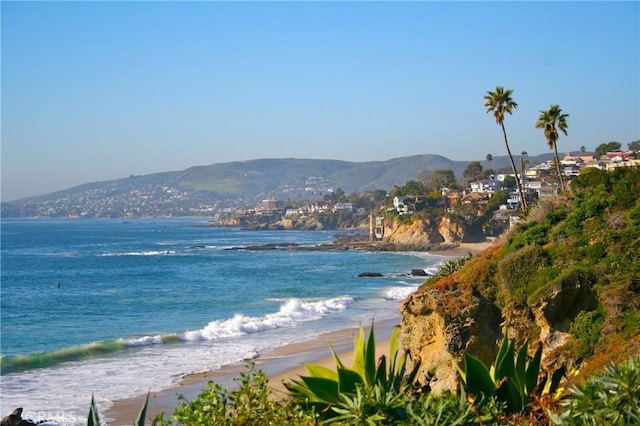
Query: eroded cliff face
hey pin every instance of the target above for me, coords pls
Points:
(451, 232)
(464, 312)
(422, 232)
(440, 323)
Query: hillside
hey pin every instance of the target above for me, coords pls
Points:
(567, 277)
(202, 190)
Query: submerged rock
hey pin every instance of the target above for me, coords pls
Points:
(370, 274)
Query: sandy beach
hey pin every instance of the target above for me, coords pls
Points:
(281, 364)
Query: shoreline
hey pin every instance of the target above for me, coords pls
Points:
(280, 364)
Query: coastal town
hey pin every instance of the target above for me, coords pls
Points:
(315, 196)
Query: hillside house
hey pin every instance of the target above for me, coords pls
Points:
(400, 206)
(477, 200)
(486, 186)
(343, 207)
(579, 159)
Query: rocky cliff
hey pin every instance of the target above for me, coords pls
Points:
(566, 278)
(415, 231)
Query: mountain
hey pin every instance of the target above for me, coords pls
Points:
(204, 190)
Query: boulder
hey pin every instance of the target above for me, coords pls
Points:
(370, 274)
(15, 419)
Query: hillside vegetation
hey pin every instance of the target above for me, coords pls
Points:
(567, 277)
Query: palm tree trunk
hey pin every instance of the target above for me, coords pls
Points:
(555, 149)
(515, 171)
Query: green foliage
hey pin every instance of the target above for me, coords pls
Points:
(527, 234)
(512, 378)
(517, 270)
(353, 392)
(554, 216)
(435, 180)
(451, 266)
(472, 170)
(608, 398)
(575, 275)
(603, 148)
(445, 409)
(248, 404)
(586, 329)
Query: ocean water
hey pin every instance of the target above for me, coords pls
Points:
(114, 308)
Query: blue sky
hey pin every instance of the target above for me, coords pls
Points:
(93, 91)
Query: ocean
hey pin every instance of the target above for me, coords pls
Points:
(114, 308)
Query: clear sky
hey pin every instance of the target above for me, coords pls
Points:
(94, 91)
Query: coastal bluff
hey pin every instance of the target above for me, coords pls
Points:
(444, 319)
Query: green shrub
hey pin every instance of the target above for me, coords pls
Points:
(517, 270)
(608, 398)
(575, 275)
(451, 266)
(528, 234)
(586, 329)
(248, 404)
(555, 216)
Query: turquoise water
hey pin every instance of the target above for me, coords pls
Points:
(142, 303)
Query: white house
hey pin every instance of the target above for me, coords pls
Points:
(400, 206)
(486, 185)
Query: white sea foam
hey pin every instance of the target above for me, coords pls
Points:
(398, 293)
(142, 253)
(291, 312)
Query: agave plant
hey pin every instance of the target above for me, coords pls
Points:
(342, 391)
(609, 398)
(93, 419)
(512, 379)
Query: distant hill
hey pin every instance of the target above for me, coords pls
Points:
(235, 184)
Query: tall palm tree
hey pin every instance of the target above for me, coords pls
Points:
(523, 162)
(500, 103)
(550, 122)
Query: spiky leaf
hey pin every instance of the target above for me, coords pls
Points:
(320, 371)
(143, 412)
(93, 419)
(477, 376)
(508, 392)
(370, 359)
(349, 380)
(323, 389)
(533, 370)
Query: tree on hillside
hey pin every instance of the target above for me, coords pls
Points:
(603, 148)
(472, 170)
(435, 180)
(550, 122)
(489, 159)
(634, 146)
(500, 103)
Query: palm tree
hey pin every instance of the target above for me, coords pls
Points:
(523, 162)
(500, 103)
(550, 122)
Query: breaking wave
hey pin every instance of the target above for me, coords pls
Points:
(292, 312)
